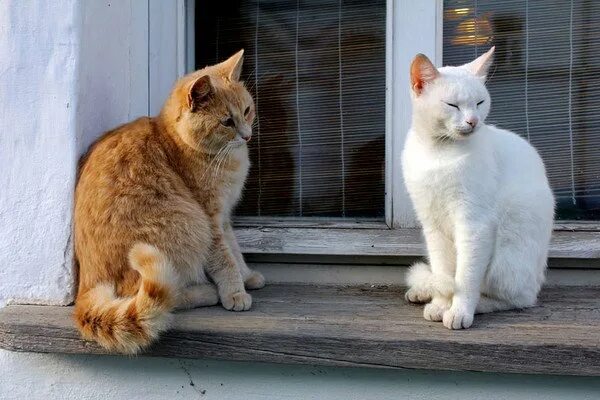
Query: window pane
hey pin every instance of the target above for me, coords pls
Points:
(545, 86)
(317, 72)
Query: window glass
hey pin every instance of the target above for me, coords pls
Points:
(317, 72)
(545, 84)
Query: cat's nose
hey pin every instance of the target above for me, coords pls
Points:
(245, 132)
(472, 121)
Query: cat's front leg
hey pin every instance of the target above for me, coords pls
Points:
(223, 268)
(474, 244)
(252, 279)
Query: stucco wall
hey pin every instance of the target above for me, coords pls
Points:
(38, 85)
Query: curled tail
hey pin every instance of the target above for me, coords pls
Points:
(421, 279)
(128, 324)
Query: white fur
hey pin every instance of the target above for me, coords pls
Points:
(481, 195)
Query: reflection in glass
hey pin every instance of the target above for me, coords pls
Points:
(545, 86)
(317, 72)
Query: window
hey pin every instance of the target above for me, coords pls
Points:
(316, 70)
(545, 86)
(331, 77)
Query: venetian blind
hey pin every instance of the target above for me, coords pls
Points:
(545, 84)
(316, 70)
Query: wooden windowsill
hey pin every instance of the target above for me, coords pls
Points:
(382, 242)
(352, 326)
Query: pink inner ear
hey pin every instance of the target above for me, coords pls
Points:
(422, 71)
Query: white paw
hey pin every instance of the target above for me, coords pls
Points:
(255, 280)
(415, 295)
(457, 318)
(434, 311)
(238, 301)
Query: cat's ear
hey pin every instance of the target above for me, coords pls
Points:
(199, 92)
(232, 67)
(422, 71)
(481, 65)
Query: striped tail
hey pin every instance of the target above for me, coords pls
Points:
(129, 324)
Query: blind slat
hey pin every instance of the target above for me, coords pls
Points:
(545, 84)
(317, 72)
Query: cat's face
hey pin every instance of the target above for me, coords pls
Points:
(452, 101)
(215, 109)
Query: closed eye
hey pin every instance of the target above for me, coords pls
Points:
(480, 103)
(453, 105)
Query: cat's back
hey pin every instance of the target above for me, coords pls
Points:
(119, 145)
(517, 159)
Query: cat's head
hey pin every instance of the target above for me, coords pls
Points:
(211, 108)
(450, 102)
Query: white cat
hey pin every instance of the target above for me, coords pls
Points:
(481, 194)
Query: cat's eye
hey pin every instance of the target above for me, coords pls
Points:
(247, 111)
(453, 105)
(480, 103)
(228, 122)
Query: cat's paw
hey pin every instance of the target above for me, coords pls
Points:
(415, 295)
(435, 310)
(457, 318)
(255, 280)
(238, 301)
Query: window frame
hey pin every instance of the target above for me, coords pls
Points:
(411, 27)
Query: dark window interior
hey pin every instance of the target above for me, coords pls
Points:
(317, 72)
(545, 86)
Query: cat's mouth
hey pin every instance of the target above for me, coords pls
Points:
(465, 132)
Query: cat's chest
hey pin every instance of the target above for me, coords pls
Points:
(229, 188)
(434, 172)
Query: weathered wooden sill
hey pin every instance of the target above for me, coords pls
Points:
(352, 326)
(382, 242)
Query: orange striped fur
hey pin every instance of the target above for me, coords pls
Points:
(152, 213)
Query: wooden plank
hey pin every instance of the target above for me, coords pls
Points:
(353, 326)
(383, 242)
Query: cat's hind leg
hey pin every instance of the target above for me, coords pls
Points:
(488, 304)
(201, 295)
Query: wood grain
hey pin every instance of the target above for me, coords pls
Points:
(353, 326)
(383, 242)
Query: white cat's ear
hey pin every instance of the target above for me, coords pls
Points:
(232, 67)
(481, 65)
(422, 71)
(199, 92)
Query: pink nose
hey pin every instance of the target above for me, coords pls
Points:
(472, 121)
(247, 138)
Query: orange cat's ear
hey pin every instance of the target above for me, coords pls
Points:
(199, 92)
(481, 65)
(232, 67)
(422, 71)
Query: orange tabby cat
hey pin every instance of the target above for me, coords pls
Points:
(152, 212)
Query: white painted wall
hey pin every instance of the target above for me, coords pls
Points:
(39, 46)
(70, 70)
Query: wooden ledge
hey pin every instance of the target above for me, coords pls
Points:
(352, 326)
(383, 242)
